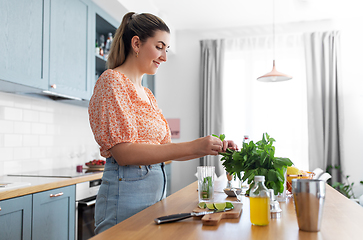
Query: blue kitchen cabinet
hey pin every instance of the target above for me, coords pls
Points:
(15, 218)
(70, 46)
(54, 214)
(50, 49)
(24, 43)
(45, 47)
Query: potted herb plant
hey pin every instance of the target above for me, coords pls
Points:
(257, 159)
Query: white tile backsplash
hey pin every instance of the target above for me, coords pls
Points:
(20, 103)
(38, 104)
(38, 128)
(30, 140)
(22, 153)
(43, 134)
(13, 140)
(46, 141)
(22, 127)
(51, 129)
(1, 140)
(6, 126)
(12, 167)
(1, 168)
(31, 116)
(6, 154)
(7, 101)
(45, 117)
(10, 113)
(38, 153)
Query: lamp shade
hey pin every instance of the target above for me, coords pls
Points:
(274, 76)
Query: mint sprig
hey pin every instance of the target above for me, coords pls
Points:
(257, 159)
(221, 137)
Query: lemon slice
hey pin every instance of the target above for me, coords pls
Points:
(202, 205)
(220, 206)
(210, 206)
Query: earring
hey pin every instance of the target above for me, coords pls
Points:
(137, 54)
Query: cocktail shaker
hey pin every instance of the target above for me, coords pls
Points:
(309, 197)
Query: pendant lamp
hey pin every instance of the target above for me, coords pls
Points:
(274, 75)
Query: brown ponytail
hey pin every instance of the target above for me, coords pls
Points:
(143, 25)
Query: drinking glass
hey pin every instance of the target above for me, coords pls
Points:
(206, 183)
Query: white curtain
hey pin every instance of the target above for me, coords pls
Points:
(280, 108)
(323, 71)
(211, 94)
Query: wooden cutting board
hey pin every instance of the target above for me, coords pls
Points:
(214, 218)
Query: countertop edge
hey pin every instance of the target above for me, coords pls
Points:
(55, 183)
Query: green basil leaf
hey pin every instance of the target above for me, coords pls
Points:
(222, 137)
(272, 175)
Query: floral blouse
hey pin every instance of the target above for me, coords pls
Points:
(117, 114)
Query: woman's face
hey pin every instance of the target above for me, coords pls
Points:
(153, 52)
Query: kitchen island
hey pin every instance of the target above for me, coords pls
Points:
(342, 219)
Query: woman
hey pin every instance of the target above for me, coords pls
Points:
(128, 125)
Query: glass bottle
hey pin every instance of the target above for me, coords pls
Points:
(245, 139)
(97, 48)
(102, 44)
(260, 203)
(108, 43)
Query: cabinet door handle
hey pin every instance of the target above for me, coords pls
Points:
(56, 195)
(0, 208)
(53, 86)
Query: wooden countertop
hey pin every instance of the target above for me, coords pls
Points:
(342, 219)
(39, 184)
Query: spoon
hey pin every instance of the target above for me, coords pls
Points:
(234, 191)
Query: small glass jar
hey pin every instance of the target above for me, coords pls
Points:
(260, 203)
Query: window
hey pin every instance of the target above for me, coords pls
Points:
(252, 108)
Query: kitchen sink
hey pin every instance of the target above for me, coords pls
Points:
(11, 185)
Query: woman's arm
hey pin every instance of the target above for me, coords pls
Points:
(226, 144)
(146, 154)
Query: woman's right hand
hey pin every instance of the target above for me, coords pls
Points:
(208, 145)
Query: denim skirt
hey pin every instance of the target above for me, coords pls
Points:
(126, 190)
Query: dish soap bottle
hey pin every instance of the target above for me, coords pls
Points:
(260, 203)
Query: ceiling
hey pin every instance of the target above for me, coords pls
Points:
(217, 14)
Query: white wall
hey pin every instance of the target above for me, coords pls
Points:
(177, 92)
(178, 87)
(352, 99)
(39, 133)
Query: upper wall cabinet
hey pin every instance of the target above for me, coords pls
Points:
(48, 46)
(24, 42)
(69, 47)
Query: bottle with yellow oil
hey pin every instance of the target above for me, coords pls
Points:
(260, 203)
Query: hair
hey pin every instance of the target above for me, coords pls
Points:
(143, 25)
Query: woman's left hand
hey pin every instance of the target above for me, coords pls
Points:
(229, 144)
